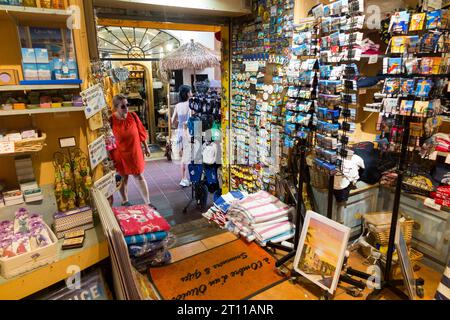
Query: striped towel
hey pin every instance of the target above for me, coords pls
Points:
(443, 290)
(271, 231)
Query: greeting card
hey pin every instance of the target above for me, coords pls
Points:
(399, 22)
(434, 19)
(407, 86)
(417, 21)
(406, 107)
(423, 88)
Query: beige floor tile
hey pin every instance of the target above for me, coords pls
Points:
(218, 240)
(187, 250)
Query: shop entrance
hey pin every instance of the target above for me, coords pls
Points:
(139, 46)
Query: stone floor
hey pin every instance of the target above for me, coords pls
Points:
(163, 179)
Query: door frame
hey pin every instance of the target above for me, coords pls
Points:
(225, 75)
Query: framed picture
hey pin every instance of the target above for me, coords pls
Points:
(405, 263)
(321, 250)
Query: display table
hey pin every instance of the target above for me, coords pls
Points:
(94, 250)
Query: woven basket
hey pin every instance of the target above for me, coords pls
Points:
(414, 256)
(380, 235)
(30, 145)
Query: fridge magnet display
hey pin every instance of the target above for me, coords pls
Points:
(321, 250)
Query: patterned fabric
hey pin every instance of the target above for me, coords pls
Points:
(140, 219)
(145, 238)
(443, 290)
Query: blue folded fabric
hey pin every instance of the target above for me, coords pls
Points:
(147, 237)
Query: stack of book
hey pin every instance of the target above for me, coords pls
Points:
(72, 220)
(13, 197)
(27, 180)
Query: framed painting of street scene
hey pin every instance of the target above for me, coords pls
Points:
(321, 250)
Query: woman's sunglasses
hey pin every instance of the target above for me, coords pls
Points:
(124, 106)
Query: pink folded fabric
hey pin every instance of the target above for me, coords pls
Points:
(139, 219)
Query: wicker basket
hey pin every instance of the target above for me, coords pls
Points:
(414, 256)
(379, 226)
(30, 145)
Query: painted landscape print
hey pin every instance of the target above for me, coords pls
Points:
(321, 252)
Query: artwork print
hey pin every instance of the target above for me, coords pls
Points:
(321, 250)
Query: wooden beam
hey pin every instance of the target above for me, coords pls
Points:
(151, 103)
(157, 25)
(91, 28)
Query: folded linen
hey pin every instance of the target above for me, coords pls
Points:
(146, 237)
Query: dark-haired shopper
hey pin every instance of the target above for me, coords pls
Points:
(182, 114)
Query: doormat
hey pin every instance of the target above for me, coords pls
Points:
(233, 271)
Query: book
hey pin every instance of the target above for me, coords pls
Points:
(423, 88)
(72, 243)
(398, 44)
(74, 234)
(421, 108)
(417, 21)
(61, 234)
(406, 107)
(392, 65)
(399, 22)
(407, 86)
(434, 19)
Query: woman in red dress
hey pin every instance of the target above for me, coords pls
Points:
(128, 157)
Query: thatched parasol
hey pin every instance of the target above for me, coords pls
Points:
(191, 55)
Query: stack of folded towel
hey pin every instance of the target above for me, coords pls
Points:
(146, 235)
(261, 217)
(217, 213)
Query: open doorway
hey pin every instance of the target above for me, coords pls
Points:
(139, 50)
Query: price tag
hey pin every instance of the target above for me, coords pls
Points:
(373, 59)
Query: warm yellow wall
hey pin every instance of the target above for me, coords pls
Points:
(54, 125)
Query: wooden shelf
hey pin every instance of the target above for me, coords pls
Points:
(39, 87)
(94, 250)
(39, 111)
(32, 14)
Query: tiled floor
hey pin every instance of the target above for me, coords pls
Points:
(304, 291)
(163, 179)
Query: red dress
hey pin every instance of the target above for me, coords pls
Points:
(128, 157)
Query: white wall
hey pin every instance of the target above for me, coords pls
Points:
(205, 38)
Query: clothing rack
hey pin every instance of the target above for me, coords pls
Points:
(206, 108)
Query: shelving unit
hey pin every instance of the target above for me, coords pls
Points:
(30, 14)
(39, 111)
(39, 87)
(94, 250)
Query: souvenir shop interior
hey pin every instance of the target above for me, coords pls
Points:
(313, 162)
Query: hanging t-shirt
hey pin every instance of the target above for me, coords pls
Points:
(350, 172)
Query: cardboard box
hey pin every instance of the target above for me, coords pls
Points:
(44, 71)
(41, 55)
(30, 71)
(28, 55)
(72, 64)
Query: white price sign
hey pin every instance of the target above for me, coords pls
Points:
(97, 151)
(94, 100)
(106, 184)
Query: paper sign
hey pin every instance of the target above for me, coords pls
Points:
(7, 147)
(93, 99)
(106, 184)
(67, 142)
(251, 66)
(97, 151)
(373, 59)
